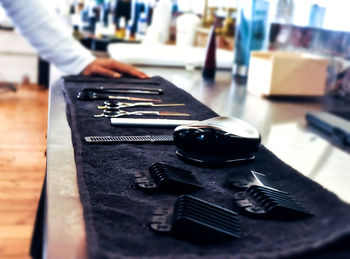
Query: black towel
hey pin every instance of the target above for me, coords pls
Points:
(117, 214)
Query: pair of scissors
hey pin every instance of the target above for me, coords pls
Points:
(120, 113)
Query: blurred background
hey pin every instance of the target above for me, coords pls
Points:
(320, 27)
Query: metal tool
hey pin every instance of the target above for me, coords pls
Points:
(127, 90)
(128, 139)
(124, 80)
(90, 96)
(142, 122)
(139, 113)
(118, 105)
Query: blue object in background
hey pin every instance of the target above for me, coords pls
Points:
(137, 8)
(251, 33)
(317, 15)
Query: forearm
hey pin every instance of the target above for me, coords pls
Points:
(47, 34)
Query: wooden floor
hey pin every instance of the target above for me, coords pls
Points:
(23, 119)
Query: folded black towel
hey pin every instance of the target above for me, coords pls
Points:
(116, 213)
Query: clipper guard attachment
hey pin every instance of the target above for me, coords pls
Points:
(196, 220)
(167, 178)
(260, 200)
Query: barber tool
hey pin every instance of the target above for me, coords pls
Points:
(217, 142)
(125, 90)
(262, 201)
(162, 123)
(120, 113)
(118, 105)
(241, 180)
(90, 96)
(166, 178)
(122, 80)
(196, 220)
(129, 139)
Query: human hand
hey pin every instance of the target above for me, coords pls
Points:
(111, 68)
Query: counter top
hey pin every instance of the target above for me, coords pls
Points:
(281, 123)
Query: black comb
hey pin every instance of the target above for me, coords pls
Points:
(267, 202)
(129, 139)
(196, 220)
(167, 178)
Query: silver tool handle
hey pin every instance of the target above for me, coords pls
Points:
(163, 123)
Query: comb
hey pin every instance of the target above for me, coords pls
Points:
(196, 220)
(266, 202)
(129, 139)
(167, 178)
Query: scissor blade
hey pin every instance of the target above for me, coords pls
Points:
(173, 114)
(99, 115)
(167, 104)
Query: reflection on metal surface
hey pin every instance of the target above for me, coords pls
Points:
(312, 156)
(235, 102)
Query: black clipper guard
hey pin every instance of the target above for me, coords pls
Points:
(262, 201)
(167, 178)
(196, 221)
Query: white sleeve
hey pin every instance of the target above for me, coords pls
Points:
(48, 35)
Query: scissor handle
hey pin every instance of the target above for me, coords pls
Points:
(100, 115)
(111, 115)
(124, 113)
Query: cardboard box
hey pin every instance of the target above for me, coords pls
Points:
(275, 73)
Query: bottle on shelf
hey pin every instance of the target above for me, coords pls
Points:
(229, 24)
(128, 32)
(225, 34)
(161, 20)
(186, 25)
(121, 30)
(251, 33)
(137, 8)
(141, 27)
(111, 28)
(211, 18)
(76, 33)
